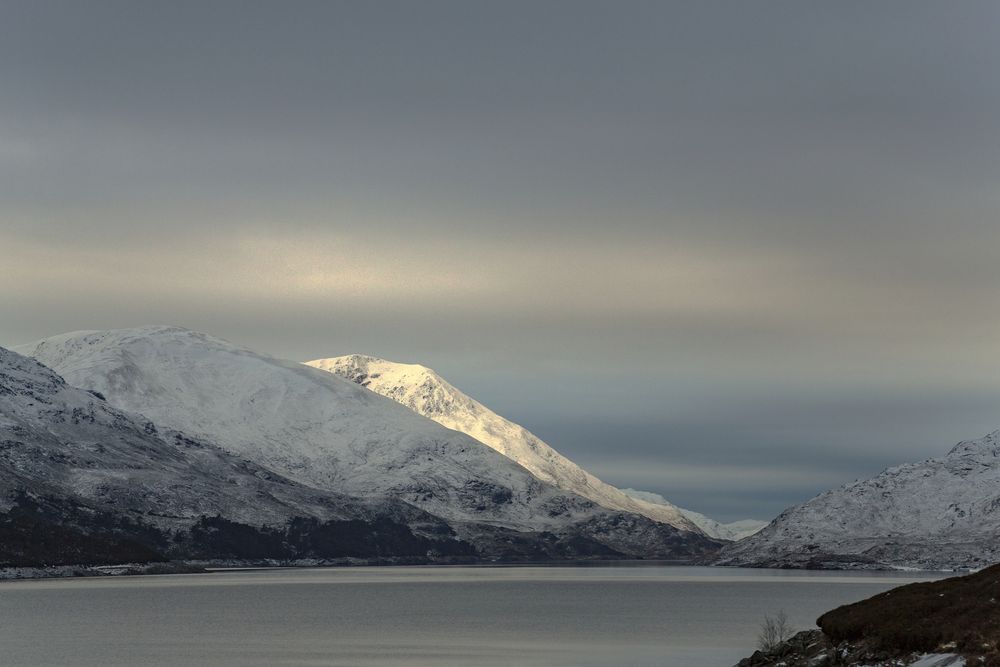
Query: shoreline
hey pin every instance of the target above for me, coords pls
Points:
(76, 571)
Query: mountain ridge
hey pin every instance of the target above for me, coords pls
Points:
(939, 513)
(425, 392)
(330, 434)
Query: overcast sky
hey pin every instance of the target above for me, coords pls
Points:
(733, 253)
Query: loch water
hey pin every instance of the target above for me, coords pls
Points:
(608, 616)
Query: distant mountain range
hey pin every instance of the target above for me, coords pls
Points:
(348, 454)
(160, 443)
(732, 531)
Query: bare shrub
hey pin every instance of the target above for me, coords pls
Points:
(774, 630)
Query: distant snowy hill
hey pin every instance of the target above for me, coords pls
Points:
(733, 531)
(942, 513)
(328, 433)
(427, 393)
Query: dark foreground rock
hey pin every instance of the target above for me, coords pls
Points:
(812, 648)
(943, 623)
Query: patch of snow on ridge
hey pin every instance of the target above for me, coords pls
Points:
(428, 394)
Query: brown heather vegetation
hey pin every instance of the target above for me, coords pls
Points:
(960, 614)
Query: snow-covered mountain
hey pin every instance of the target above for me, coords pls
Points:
(735, 530)
(732, 531)
(82, 481)
(427, 393)
(328, 433)
(942, 513)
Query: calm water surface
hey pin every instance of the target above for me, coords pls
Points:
(610, 616)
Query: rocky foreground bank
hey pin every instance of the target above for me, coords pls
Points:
(947, 623)
(811, 648)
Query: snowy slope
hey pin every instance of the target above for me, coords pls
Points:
(942, 513)
(62, 442)
(735, 530)
(427, 393)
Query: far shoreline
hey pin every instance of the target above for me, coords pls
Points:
(68, 572)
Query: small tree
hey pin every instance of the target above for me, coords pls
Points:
(774, 630)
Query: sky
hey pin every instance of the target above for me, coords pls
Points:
(732, 253)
